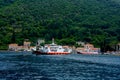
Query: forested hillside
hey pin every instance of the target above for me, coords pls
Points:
(68, 21)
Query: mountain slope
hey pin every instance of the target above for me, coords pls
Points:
(85, 20)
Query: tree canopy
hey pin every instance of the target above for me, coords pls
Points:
(67, 21)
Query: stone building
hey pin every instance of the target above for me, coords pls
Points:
(25, 47)
(13, 47)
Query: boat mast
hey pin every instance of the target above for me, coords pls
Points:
(53, 41)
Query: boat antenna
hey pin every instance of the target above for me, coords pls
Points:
(53, 41)
(38, 45)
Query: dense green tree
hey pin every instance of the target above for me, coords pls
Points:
(65, 20)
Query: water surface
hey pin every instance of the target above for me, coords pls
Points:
(27, 66)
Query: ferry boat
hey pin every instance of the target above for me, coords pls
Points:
(51, 49)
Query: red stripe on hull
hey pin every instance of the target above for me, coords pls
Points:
(50, 53)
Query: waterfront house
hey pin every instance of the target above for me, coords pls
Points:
(13, 47)
(117, 47)
(80, 43)
(20, 48)
(25, 47)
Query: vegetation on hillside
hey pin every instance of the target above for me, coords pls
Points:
(68, 21)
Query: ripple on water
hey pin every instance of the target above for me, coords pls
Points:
(64, 67)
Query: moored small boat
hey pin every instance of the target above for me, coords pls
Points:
(88, 49)
(87, 52)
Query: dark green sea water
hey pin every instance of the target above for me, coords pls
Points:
(27, 66)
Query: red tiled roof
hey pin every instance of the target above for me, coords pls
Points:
(89, 44)
(94, 48)
(13, 44)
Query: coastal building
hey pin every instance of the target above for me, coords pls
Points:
(25, 47)
(20, 48)
(80, 43)
(13, 47)
(117, 47)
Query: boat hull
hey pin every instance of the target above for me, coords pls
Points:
(87, 53)
(50, 53)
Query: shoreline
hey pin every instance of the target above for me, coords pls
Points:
(115, 54)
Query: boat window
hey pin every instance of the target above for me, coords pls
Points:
(46, 47)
